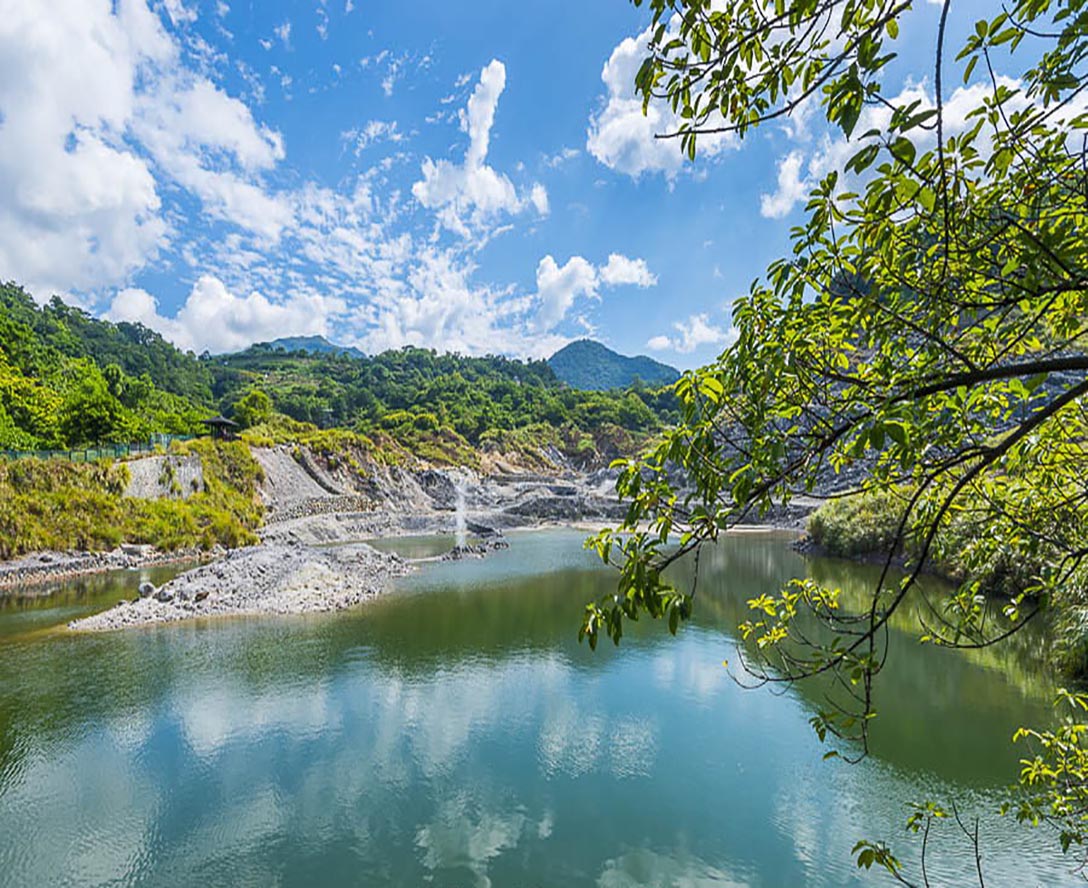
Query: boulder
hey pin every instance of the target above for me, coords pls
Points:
(147, 589)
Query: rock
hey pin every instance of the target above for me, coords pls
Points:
(164, 594)
(147, 589)
(45, 558)
(201, 595)
(481, 530)
(459, 552)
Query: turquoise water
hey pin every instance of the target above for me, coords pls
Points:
(454, 733)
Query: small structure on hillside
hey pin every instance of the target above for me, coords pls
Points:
(221, 428)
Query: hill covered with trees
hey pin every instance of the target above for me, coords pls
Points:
(68, 379)
(312, 344)
(590, 366)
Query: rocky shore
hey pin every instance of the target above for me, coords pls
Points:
(312, 556)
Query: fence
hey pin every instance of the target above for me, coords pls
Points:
(101, 451)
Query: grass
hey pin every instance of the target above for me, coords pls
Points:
(57, 504)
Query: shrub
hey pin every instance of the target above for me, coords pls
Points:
(858, 525)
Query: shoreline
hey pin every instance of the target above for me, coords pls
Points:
(314, 554)
(38, 570)
(273, 577)
(283, 574)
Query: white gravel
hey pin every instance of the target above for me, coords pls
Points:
(265, 579)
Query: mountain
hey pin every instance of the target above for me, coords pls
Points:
(311, 344)
(590, 366)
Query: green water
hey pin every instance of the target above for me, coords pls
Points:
(454, 733)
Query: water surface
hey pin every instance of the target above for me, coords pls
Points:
(455, 733)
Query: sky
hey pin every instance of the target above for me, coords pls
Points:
(472, 177)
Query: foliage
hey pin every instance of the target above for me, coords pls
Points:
(56, 504)
(91, 414)
(252, 408)
(859, 525)
(929, 328)
(58, 328)
(415, 387)
(70, 380)
(63, 382)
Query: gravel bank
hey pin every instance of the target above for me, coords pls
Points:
(42, 568)
(265, 579)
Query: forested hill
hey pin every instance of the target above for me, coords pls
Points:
(419, 387)
(590, 366)
(69, 380)
(26, 328)
(315, 344)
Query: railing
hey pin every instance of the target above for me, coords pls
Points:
(100, 451)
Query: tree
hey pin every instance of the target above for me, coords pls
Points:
(925, 342)
(252, 408)
(91, 415)
(114, 378)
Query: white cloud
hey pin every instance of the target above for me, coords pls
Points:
(557, 286)
(538, 197)
(78, 207)
(791, 188)
(472, 195)
(692, 333)
(179, 12)
(215, 319)
(561, 157)
(374, 132)
(624, 139)
(396, 66)
(436, 304)
(98, 109)
(116, 151)
(189, 126)
(800, 170)
(283, 32)
(621, 270)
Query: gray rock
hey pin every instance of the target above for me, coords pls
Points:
(147, 589)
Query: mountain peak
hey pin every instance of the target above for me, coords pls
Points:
(587, 364)
(312, 344)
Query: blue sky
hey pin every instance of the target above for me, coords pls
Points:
(465, 176)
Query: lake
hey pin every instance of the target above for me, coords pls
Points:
(455, 733)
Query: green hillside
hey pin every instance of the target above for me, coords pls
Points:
(590, 366)
(69, 380)
(423, 389)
